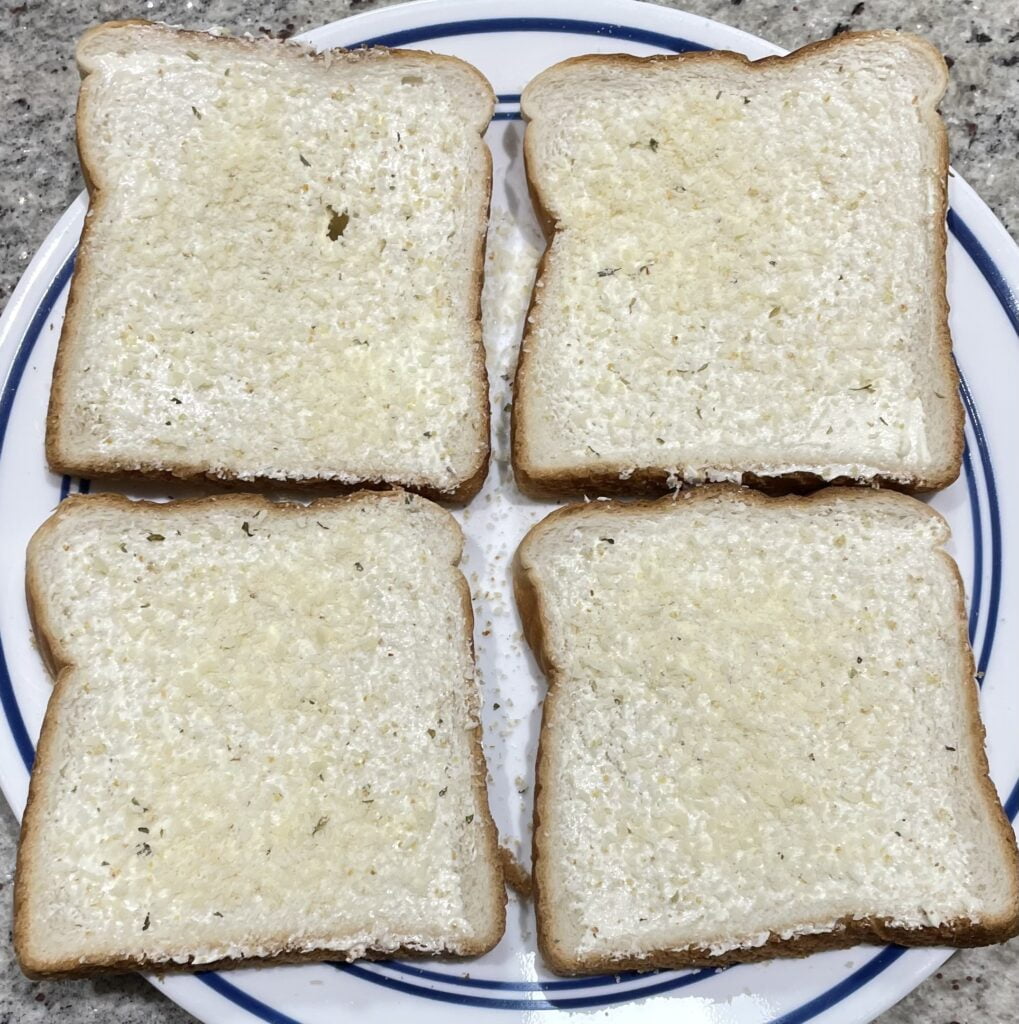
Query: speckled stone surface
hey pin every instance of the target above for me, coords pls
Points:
(39, 176)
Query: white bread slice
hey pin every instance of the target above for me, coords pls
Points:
(263, 744)
(761, 736)
(280, 272)
(746, 276)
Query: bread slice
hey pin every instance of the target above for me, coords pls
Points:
(761, 736)
(280, 273)
(746, 276)
(263, 744)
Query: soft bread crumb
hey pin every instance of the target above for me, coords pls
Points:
(265, 742)
(761, 727)
(747, 274)
(517, 876)
(280, 273)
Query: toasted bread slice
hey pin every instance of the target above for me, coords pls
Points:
(279, 277)
(263, 744)
(745, 280)
(761, 736)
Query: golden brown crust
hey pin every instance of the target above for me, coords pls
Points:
(530, 602)
(517, 876)
(655, 482)
(270, 485)
(608, 478)
(60, 461)
(479, 774)
(61, 668)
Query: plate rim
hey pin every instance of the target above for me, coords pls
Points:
(38, 280)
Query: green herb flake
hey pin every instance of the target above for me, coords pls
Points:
(864, 387)
(443, 791)
(191, 54)
(324, 527)
(359, 567)
(303, 161)
(608, 271)
(146, 923)
(123, 547)
(216, 913)
(469, 818)
(320, 824)
(246, 529)
(155, 537)
(196, 112)
(653, 145)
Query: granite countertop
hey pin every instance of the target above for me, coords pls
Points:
(39, 177)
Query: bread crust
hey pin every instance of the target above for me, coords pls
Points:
(61, 461)
(518, 878)
(847, 932)
(61, 668)
(608, 478)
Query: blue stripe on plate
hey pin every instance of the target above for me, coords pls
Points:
(978, 546)
(556, 1003)
(598, 981)
(240, 998)
(481, 26)
(980, 256)
(8, 700)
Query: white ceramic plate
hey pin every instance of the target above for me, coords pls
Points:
(510, 983)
